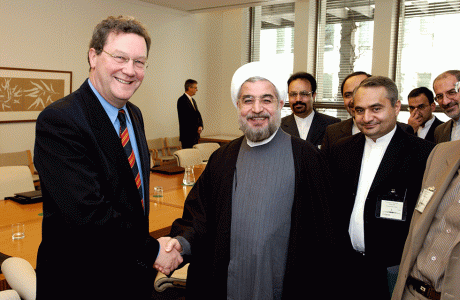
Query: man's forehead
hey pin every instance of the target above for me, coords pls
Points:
(262, 86)
(368, 96)
(354, 81)
(419, 98)
(446, 82)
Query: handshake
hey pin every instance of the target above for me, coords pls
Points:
(169, 257)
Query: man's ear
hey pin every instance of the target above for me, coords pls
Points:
(92, 57)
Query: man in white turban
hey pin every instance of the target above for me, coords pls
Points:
(256, 225)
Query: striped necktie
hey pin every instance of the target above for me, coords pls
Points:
(126, 143)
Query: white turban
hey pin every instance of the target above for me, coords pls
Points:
(258, 69)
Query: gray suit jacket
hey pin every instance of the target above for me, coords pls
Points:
(442, 165)
(442, 132)
(317, 129)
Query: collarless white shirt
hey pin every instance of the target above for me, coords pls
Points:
(455, 134)
(372, 156)
(423, 130)
(304, 124)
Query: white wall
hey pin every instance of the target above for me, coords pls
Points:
(54, 35)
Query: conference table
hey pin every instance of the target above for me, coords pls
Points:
(218, 138)
(163, 211)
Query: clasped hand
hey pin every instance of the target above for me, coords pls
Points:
(169, 258)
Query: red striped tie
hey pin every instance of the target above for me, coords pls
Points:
(126, 143)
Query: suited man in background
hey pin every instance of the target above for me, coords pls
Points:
(429, 266)
(336, 131)
(421, 108)
(190, 122)
(305, 122)
(377, 175)
(446, 89)
(93, 160)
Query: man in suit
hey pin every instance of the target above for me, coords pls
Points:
(446, 89)
(377, 176)
(421, 108)
(305, 122)
(190, 122)
(336, 131)
(429, 266)
(95, 200)
(249, 243)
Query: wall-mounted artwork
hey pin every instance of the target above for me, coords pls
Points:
(24, 93)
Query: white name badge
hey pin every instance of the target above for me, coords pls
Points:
(392, 210)
(424, 198)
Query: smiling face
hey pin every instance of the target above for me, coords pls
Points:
(348, 88)
(374, 114)
(114, 81)
(259, 109)
(301, 105)
(445, 88)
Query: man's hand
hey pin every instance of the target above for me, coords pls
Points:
(169, 258)
(200, 129)
(415, 120)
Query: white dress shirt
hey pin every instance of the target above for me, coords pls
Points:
(423, 130)
(354, 129)
(304, 124)
(372, 156)
(455, 134)
(190, 98)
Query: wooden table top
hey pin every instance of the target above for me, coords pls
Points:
(218, 138)
(162, 214)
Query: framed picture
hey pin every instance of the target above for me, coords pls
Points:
(24, 93)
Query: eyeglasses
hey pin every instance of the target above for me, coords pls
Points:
(302, 94)
(420, 107)
(139, 63)
(449, 94)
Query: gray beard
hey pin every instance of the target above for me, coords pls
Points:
(260, 134)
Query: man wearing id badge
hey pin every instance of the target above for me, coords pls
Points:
(377, 175)
(429, 266)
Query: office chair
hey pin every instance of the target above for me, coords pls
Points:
(21, 277)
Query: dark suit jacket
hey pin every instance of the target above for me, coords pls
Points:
(401, 169)
(189, 121)
(206, 224)
(430, 134)
(442, 132)
(335, 132)
(94, 227)
(317, 129)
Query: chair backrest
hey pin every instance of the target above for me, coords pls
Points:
(15, 179)
(21, 277)
(188, 157)
(172, 144)
(157, 144)
(9, 295)
(21, 158)
(206, 149)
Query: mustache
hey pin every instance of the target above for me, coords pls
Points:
(451, 104)
(299, 103)
(259, 115)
